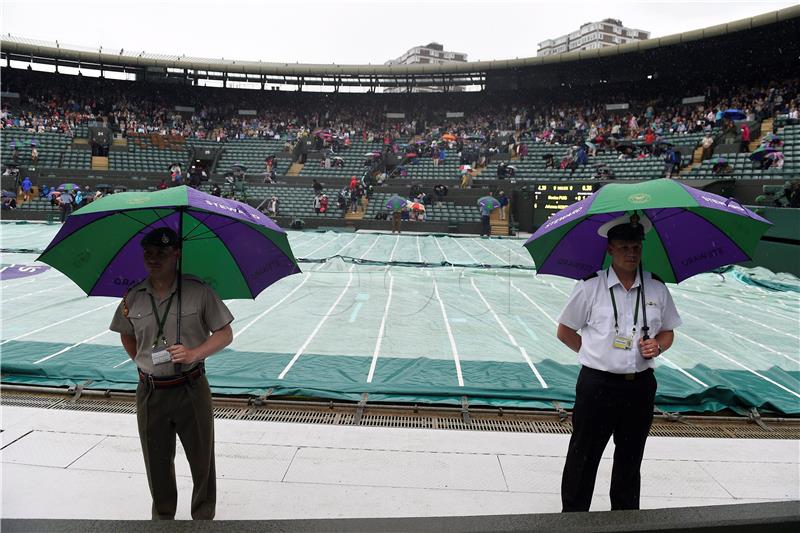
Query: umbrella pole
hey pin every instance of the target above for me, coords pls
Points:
(645, 327)
(180, 284)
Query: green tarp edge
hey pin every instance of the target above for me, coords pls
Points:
(398, 380)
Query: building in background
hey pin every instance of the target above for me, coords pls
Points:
(607, 32)
(431, 53)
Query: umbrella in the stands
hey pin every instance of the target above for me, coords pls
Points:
(734, 114)
(395, 203)
(488, 202)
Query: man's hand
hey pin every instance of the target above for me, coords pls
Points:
(648, 348)
(182, 354)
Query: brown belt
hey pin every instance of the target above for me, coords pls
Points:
(167, 382)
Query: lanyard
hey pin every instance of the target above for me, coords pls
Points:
(161, 321)
(635, 309)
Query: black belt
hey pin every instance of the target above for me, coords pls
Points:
(167, 382)
(611, 375)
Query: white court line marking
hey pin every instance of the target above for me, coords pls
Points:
(765, 309)
(526, 256)
(128, 360)
(734, 361)
(453, 346)
(319, 326)
(762, 346)
(37, 277)
(381, 331)
(371, 246)
(264, 313)
(719, 308)
(68, 348)
(323, 245)
(351, 241)
(522, 351)
(30, 294)
(391, 256)
(761, 309)
(545, 313)
(475, 261)
(491, 252)
(444, 256)
(672, 364)
(59, 322)
(419, 251)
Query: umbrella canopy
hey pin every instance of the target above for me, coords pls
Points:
(625, 146)
(719, 160)
(239, 166)
(692, 232)
(396, 203)
(9, 194)
(449, 137)
(734, 114)
(772, 140)
(68, 187)
(761, 152)
(489, 202)
(416, 206)
(465, 168)
(230, 245)
(410, 155)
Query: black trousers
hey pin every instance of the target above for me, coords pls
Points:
(486, 228)
(605, 405)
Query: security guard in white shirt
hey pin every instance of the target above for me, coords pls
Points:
(616, 386)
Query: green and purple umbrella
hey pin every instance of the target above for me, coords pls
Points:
(734, 114)
(396, 203)
(488, 202)
(69, 187)
(693, 231)
(230, 245)
(761, 152)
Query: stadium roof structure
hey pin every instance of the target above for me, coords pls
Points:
(774, 25)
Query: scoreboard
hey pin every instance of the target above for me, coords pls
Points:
(549, 198)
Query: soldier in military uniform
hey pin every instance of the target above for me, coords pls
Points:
(173, 396)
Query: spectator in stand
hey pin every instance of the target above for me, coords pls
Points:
(442, 156)
(708, 146)
(14, 154)
(672, 162)
(317, 203)
(162, 184)
(317, 186)
(503, 199)
(215, 190)
(26, 189)
(323, 204)
(486, 213)
(272, 206)
(34, 155)
(65, 202)
(745, 130)
(435, 154)
(440, 191)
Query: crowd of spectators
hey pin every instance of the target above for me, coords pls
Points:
(141, 108)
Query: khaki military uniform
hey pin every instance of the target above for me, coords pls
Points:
(185, 409)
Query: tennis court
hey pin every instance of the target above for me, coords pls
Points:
(417, 319)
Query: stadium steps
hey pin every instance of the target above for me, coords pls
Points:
(99, 162)
(766, 128)
(498, 225)
(358, 215)
(295, 169)
(697, 160)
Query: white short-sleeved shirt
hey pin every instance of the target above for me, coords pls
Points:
(590, 311)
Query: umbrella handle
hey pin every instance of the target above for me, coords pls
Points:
(645, 327)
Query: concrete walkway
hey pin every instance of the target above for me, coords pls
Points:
(87, 465)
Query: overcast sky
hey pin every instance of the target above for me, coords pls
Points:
(346, 32)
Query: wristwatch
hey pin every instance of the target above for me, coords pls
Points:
(660, 349)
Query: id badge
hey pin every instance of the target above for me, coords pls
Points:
(622, 342)
(160, 354)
